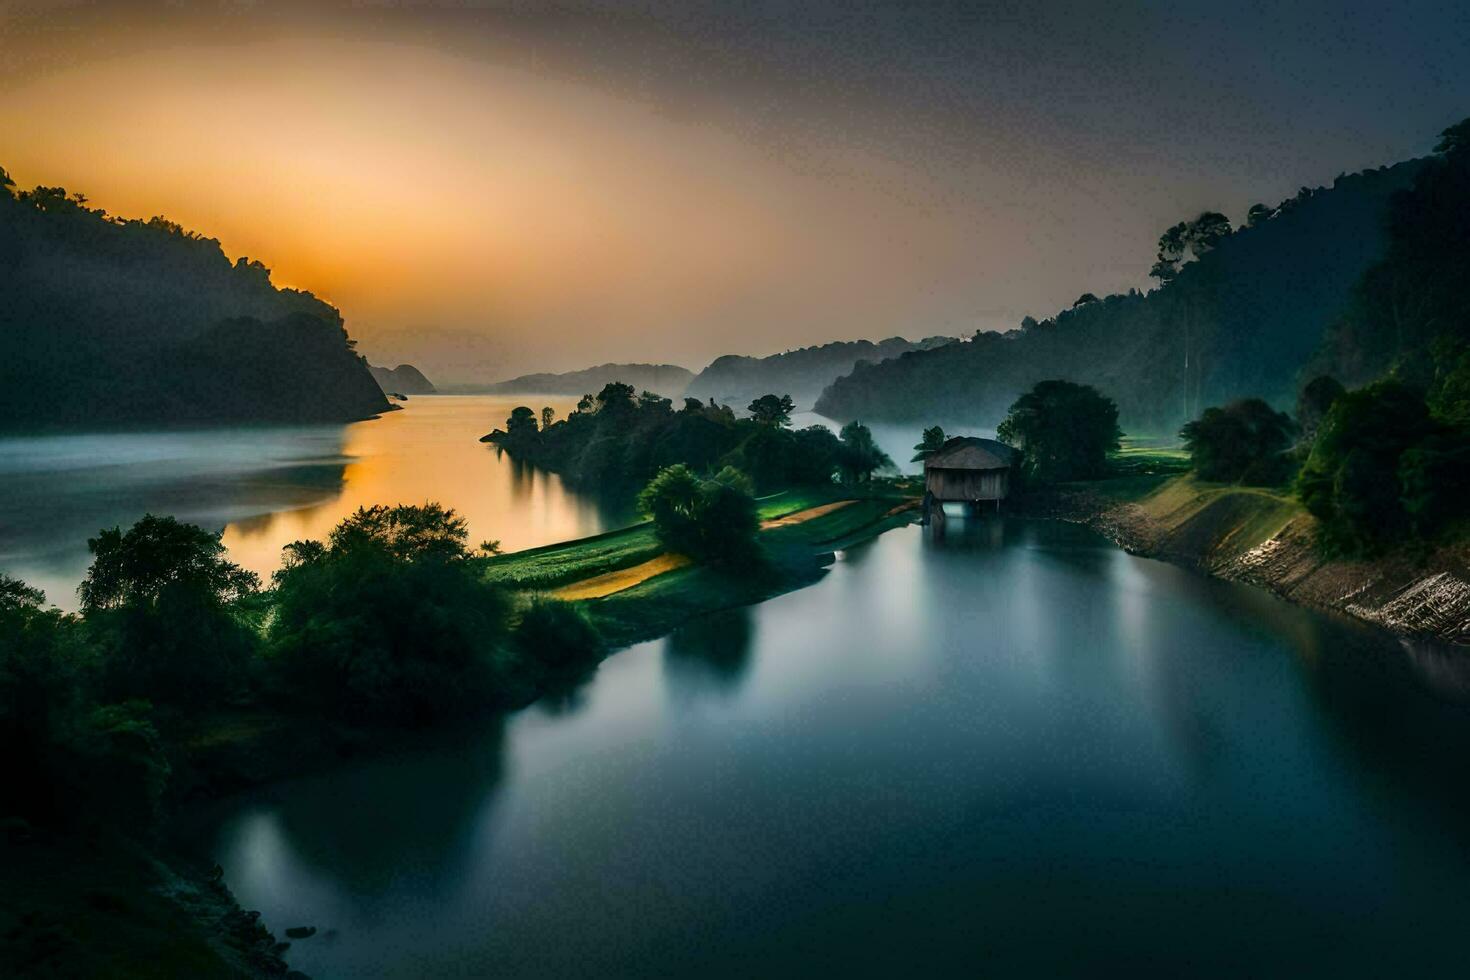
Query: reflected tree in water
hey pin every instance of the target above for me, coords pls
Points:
(711, 653)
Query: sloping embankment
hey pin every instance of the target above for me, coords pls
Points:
(1266, 539)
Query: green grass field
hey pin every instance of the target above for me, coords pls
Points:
(571, 561)
(1148, 456)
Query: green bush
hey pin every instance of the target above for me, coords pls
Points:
(713, 520)
(389, 621)
(1245, 441)
(158, 604)
(557, 635)
(1383, 470)
(1065, 431)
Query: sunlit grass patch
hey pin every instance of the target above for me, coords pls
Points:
(599, 586)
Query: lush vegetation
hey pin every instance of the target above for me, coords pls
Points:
(711, 519)
(1235, 315)
(1390, 462)
(617, 441)
(1245, 441)
(388, 621)
(107, 320)
(1384, 469)
(1064, 431)
(1410, 311)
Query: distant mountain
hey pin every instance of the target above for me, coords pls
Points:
(405, 379)
(105, 321)
(668, 380)
(736, 380)
(1242, 319)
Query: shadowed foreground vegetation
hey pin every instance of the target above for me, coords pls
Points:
(182, 676)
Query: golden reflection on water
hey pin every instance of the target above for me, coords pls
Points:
(428, 451)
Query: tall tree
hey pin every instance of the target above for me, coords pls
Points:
(774, 410)
(929, 445)
(861, 455)
(1064, 431)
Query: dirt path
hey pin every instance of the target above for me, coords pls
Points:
(624, 578)
(802, 516)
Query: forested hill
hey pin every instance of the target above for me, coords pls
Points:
(1239, 313)
(668, 380)
(105, 321)
(801, 373)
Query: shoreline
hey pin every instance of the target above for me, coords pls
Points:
(1239, 534)
(259, 749)
(1267, 540)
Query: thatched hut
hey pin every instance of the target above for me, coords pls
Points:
(970, 470)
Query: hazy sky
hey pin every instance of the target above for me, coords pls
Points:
(495, 187)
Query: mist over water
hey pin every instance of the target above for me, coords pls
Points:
(266, 487)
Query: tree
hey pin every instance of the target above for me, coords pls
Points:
(158, 602)
(548, 416)
(929, 445)
(1246, 441)
(860, 454)
(521, 426)
(615, 398)
(773, 410)
(711, 519)
(1454, 139)
(1313, 404)
(1411, 308)
(557, 635)
(1064, 431)
(1172, 246)
(816, 450)
(1351, 479)
(157, 554)
(1084, 299)
(1258, 215)
(390, 621)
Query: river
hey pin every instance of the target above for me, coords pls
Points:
(1013, 751)
(265, 487)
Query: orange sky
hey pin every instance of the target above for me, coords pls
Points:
(487, 187)
(415, 189)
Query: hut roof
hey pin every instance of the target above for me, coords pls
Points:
(971, 453)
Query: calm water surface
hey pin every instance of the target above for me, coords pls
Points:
(1018, 751)
(266, 487)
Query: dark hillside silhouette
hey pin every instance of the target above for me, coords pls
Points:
(1238, 314)
(405, 379)
(107, 321)
(802, 373)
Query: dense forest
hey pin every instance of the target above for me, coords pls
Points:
(801, 373)
(668, 380)
(616, 441)
(111, 321)
(1238, 311)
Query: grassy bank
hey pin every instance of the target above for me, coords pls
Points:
(1264, 537)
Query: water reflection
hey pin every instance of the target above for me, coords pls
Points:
(712, 654)
(267, 487)
(1016, 751)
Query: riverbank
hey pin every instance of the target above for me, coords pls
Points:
(133, 910)
(1266, 539)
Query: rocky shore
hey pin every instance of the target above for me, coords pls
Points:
(1267, 540)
